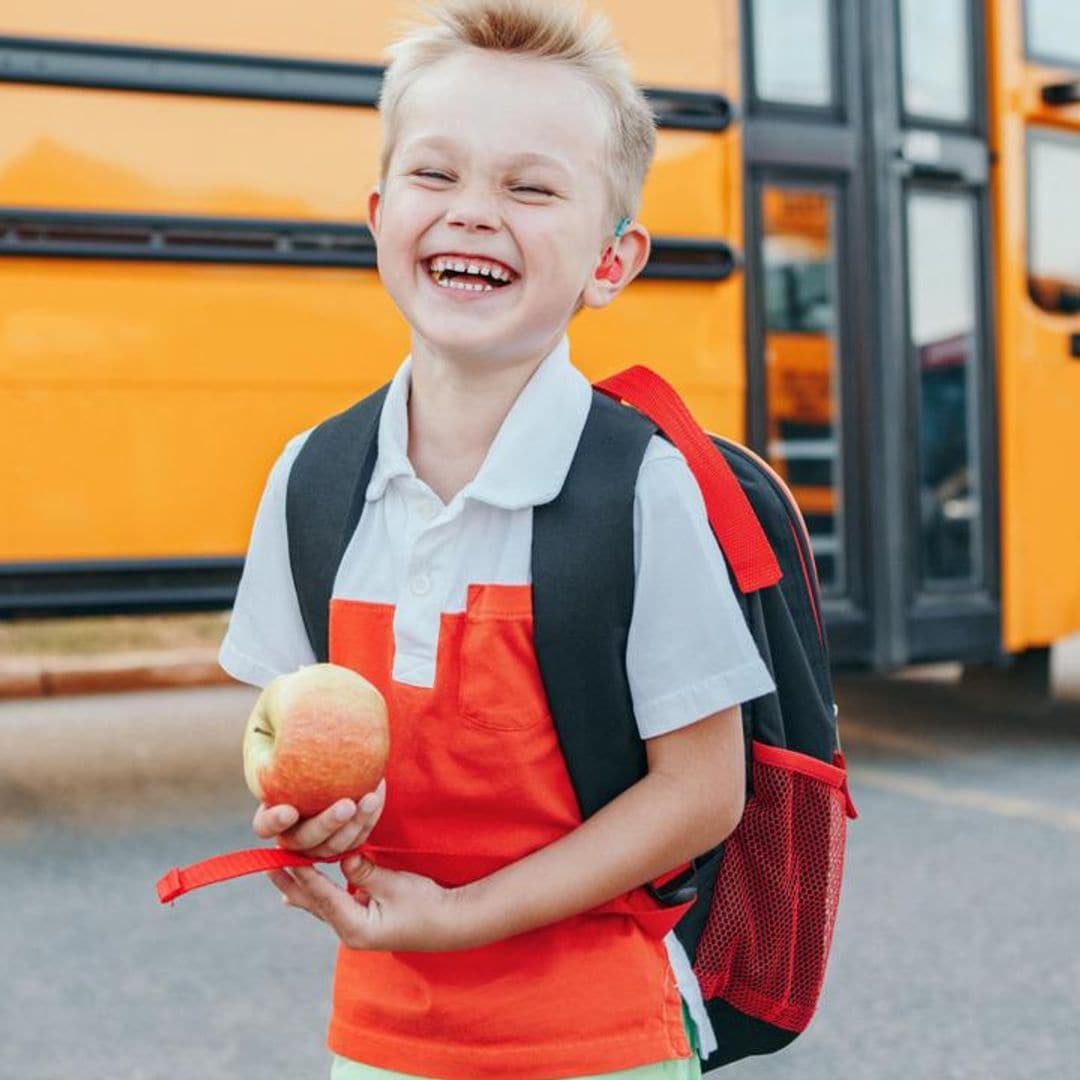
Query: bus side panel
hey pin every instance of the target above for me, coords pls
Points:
(1039, 383)
(146, 402)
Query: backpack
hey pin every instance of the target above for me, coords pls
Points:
(759, 934)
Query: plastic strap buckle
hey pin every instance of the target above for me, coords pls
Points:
(674, 889)
(170, 886)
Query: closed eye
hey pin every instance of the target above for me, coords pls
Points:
(432, 174)
(525, 190)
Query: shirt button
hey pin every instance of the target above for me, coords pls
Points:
(421, 585)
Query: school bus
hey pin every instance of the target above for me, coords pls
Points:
(866, 265)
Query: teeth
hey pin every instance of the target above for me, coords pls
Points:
(465, 286)
(441, 263)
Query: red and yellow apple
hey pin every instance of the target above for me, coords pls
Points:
(315, 736)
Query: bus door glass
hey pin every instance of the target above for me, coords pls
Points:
(1052, 40)
(1053, 32)
(942, 314)
(1053, 221)
(799, 256)
(791, 52)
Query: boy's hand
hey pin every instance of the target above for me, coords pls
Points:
(392, 910)
(339, 828)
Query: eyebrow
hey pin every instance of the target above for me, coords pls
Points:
(527, 157)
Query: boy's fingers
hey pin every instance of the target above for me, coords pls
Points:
(374, 801)
(328, 901)
(270, 821)
(364, 873)
(293, 893)
(312, 834)
(341, 827)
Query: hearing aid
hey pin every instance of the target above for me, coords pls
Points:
(610, 268)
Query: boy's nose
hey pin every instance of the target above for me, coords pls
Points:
(473, 213)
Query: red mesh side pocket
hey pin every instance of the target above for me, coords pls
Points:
(766, 940)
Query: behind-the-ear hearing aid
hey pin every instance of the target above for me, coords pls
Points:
(610, 268)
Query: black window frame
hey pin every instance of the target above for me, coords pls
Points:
(836, 110)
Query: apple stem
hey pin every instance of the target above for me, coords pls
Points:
(260, 731)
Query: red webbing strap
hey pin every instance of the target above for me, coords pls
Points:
(734, 523)
(235, 864)
(655, 919)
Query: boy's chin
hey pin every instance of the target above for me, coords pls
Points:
(474, 344)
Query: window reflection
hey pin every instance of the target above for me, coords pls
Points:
(800, 363)
(1053, 31)
(941, 275)
(791, 51)
(936, 48)
(1054, 228)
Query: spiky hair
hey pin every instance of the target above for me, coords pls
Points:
(562, 31)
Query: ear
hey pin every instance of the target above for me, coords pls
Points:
(624, 258)
(373, 204)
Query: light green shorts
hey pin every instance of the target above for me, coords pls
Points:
(677, 1069)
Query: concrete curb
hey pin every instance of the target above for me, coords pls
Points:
(110, 672)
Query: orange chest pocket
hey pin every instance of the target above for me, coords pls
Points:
(499, 684)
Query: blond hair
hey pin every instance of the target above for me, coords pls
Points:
(547, 29)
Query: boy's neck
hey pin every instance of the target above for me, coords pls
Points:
(455, 412)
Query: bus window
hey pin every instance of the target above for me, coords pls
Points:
(935, 36)
(791, 51)
(1054, 225)
(942, 262)
(1053, 32)
(798, 254)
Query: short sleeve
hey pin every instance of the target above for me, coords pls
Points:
(266, 635)
(689, 652)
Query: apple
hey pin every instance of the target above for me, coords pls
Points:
(315, 736)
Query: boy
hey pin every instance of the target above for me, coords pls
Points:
(487, 931)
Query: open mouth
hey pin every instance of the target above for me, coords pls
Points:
(465, 273)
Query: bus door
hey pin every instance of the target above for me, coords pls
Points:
(807, 291)
(935, 360)
(869, 350)
(1035, 46)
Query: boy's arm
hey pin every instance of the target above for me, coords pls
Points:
(691, 800)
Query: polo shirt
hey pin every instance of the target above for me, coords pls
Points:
(689, 652)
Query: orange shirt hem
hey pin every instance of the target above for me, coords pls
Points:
(584, 1057)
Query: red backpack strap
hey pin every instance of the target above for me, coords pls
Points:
(734, 523)
(235, 864)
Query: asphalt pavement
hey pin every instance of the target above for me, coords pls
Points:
(956, 952)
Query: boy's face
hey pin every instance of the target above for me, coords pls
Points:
(500, 158)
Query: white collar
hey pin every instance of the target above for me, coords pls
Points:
(530, 455)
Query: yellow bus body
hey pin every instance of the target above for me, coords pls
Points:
(145, 401)
(1038, 381)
